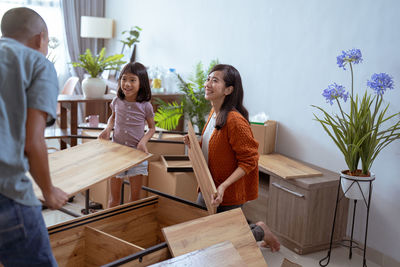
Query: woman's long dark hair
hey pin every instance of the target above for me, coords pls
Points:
(233, 101)
(139, 70)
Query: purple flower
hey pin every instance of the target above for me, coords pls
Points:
(380, 82)
(352, 55)
(335, 91)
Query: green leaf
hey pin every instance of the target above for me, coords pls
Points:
(95, 65)
(193, 104)
(168, 115)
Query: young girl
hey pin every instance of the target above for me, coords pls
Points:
(130, 110)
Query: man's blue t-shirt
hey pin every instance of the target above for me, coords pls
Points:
(27, 80)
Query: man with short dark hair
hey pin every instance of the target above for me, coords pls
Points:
(28, 99)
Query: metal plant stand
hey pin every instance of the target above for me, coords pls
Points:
(356, 183)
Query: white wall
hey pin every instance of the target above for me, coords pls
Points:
(286, 53)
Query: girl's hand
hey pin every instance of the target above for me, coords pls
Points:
(105, 134)
(142, 147)
(186, 140)
(219, 196)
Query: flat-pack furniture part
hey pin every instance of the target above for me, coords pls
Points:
(78, 168)
(131, 234)
(285, 167)
(225, 226)
(173, 175)
(222, 254)
(200, 167)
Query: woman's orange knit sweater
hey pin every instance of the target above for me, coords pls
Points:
(230, 147)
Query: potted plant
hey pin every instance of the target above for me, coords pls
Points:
(131, 40)
(94, 86)
(362, 130)
(193, 106)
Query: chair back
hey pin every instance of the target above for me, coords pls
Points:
(69, 86)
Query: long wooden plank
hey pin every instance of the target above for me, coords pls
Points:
(285, 167)
(77, 168)
(219, 255)
(202, 173)
(204, 232)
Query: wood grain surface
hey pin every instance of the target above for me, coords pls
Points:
(220, 255)
(213, 229)
(285, 167)
(200, 167)
(77, 168)
(102, 248)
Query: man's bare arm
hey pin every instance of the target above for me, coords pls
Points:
(36, 152)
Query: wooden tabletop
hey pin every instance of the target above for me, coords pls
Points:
(297, 172)
(77, 168)
(285, 167)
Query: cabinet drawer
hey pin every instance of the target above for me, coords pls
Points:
(287, 207)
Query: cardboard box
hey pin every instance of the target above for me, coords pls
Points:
(265, 134)
(180, 184)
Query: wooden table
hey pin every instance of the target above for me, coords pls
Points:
(78, 168)
(70, 103)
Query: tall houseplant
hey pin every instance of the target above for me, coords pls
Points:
(94, 86)
(365, 129)
(193, 106)
(131, 40)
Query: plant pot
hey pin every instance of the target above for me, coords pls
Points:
(93, 87)
(356, 187)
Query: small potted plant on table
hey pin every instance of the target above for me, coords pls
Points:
(94, 86)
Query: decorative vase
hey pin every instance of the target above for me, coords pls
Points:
(93, 87)
(356, 187)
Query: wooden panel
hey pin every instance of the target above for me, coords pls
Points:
(204, 232)
(219, 255)
(200, 167)
(69, 247)
(162, 148)
(180, 184)
(172, 212)
(102, 248)
(103, 215)
(139, 227)
(285, 167)
(77, 168)
(133, 222)
(177, 163)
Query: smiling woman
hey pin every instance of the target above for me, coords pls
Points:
(50, 11)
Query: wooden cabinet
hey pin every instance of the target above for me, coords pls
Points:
(300, 211)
